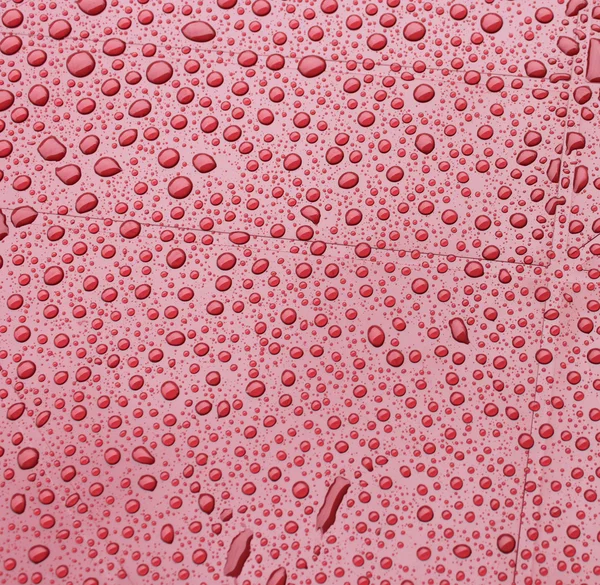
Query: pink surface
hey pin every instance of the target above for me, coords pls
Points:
(299, 292)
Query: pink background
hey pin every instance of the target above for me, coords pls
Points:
(384, 276)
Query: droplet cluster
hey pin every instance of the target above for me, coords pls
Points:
(299, 292)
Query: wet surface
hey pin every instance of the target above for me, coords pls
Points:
(299, 293)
